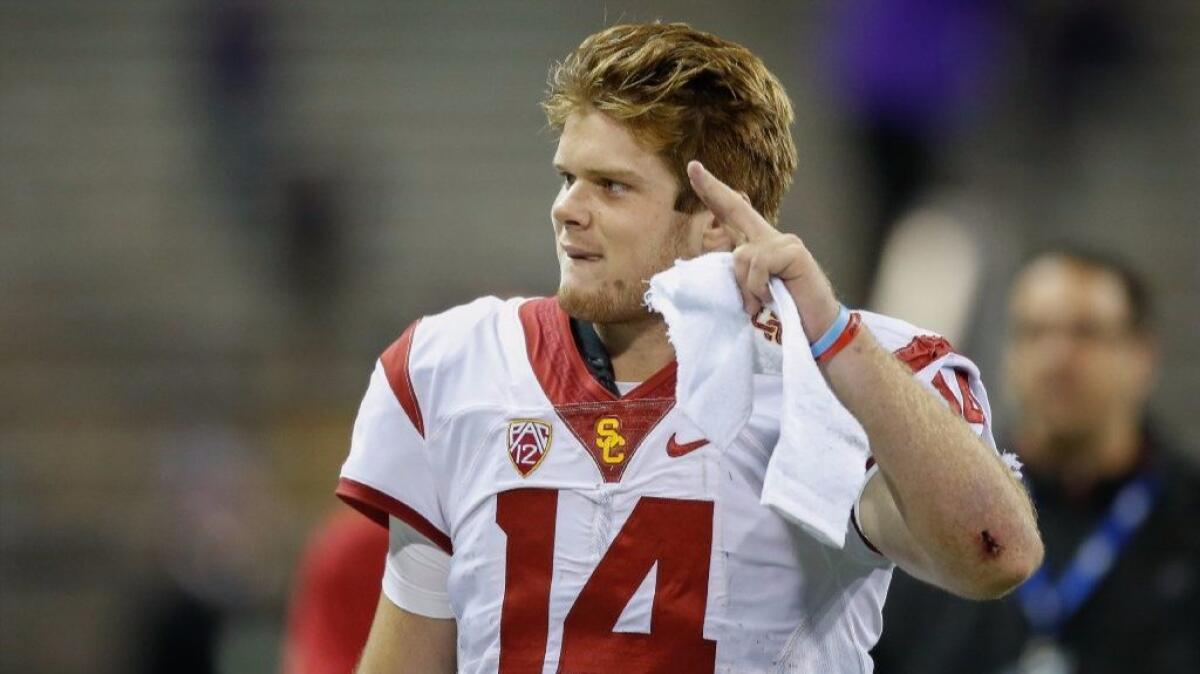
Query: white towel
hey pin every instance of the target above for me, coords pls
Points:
(816, 469)
(713, 341)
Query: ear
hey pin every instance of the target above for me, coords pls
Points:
(1146, 359)
(721, 238)
(715, 237)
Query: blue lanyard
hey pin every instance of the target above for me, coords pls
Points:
(1048, 603)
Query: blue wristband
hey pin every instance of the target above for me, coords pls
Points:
(839, 326)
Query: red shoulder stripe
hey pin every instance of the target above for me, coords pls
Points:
(939, 383)
(395, 366)
(923, 350)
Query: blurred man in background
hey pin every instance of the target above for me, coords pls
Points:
(1120, 587)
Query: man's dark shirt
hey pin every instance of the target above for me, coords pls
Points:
(1143, 617)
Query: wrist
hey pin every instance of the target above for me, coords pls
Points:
(817, 316)
(814, 298)
(848, 335)
(817, 313)
(844, 329)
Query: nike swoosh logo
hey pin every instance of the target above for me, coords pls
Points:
(676, 450)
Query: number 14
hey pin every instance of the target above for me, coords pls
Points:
(675, 533)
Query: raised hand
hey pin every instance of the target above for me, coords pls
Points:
(763, 252)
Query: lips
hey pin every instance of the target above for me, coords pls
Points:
(580, 254)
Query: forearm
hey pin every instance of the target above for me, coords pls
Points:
(970, 517)
(955, 496)
(401, 642)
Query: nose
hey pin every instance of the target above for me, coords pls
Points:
(1053, 355)
(570, 207)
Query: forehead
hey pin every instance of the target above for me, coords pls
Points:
(1064, 289)
(592, 141)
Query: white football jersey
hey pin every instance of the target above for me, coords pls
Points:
(595, 533)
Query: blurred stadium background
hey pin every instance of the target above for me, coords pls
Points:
(214, 215)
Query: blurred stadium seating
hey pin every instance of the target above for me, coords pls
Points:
(213, 215)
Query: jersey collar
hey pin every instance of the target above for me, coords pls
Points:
(561, 370)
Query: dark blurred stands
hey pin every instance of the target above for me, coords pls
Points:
(140, 301)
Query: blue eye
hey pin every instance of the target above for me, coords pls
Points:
(615, 187)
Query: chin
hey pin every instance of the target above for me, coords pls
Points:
(615, 303)
(1068, 426)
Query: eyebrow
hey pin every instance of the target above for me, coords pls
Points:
(619, 174)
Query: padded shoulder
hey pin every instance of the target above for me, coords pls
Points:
(894, 334)
(450, 360)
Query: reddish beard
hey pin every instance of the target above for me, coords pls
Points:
(622, 300)
(615, 302)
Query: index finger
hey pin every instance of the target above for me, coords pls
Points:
(726, 203)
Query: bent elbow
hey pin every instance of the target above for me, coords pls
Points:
(1007, 572)
(1009, 577)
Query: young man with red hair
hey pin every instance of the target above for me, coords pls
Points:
(551, 509)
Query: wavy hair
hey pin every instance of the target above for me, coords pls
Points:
(685, 94)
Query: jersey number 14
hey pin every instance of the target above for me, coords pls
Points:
(675, 533)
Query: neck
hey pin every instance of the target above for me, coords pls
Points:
(637, 348)
(1079, 461)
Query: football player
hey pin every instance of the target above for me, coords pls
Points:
(549, 508)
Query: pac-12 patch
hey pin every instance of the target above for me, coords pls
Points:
(528, 443)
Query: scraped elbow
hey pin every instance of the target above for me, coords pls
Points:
(1006, 570)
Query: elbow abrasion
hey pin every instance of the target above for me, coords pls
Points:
(1002, 567)
(991, 547)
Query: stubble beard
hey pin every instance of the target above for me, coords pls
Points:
(616, 302)
(622, 300)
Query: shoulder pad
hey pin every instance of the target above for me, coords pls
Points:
(443, 360)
